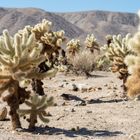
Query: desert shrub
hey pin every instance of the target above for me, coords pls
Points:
(83, 62)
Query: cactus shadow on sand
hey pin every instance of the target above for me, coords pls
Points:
(97, 101)
(73, 133)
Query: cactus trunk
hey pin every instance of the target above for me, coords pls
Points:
(14, 116)
(37, 85)
(32, 120)
(124, 81)
(17, 96)
(13, 101)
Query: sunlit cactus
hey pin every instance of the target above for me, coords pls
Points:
(41, 28)
(51, 44)
(38, 105)
(19, 56)
(73, 47)
(91, 43)
(133, 63)
(53, 40)
(117, 49)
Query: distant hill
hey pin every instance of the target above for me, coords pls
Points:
(102, 23)
(15, 19)
(76, 24)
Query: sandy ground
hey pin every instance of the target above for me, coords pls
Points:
(94, 112)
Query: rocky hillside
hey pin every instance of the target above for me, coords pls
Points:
(15, 19)
(76, 24)
(101, 23)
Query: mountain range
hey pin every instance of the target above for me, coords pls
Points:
(75, 24)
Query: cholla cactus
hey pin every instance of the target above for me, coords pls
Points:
(73, 47)
(19, 56)
(91, 43)
(41, 28)
(133, 63)
(51, 43)
(38, 106)
(53, 39)
(117, 49)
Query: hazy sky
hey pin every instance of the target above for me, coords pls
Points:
(76, 5)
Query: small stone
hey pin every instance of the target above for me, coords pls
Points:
(99, 88)
(61, 85)
(73, 110)
(89, 111)
(74, 87)
(55, 104)
(105, 85)
(115, 88)
(84, 90)
(64, 104)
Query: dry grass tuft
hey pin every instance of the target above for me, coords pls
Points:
(83, 62)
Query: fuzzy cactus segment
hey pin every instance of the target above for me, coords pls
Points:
(133, 63)
(117, 48)
(116, 51)
(21, 57)
(73, 47)
(38, 105)
(91, 43)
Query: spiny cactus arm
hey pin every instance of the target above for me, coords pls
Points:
(43, 118)
(23, 112)
(91, 42)
(50, 101)
(30, 41)
(73, 46)
(131, 60)
(36, 75)
(42, 101)
(34, 100)
(28, 103)
(44, 26)
(7, 40)
(29, 63)
(135, 43)
(5, 62)
(53, 39)
(43, 107)
(5, 77)
(3, 49)
(17, 44)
